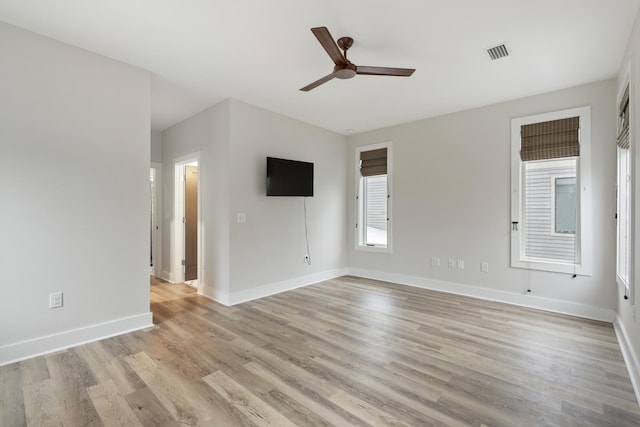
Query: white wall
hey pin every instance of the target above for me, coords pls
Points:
(157, 229)
(207, 135)
(451, 199)
(156, 147)
(627, 325)
(267, 251)
(265, 254)
(74, 188)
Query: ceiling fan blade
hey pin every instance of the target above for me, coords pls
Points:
(318, 82)
(329, 44)
(384, 71)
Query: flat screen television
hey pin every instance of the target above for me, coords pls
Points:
(289, 177)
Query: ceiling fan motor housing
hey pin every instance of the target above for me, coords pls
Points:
(345, 43)
(345, 71)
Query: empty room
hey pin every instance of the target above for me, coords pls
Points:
(296, 213)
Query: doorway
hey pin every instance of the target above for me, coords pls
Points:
(155, 240)
(187, 241)
(191, 222)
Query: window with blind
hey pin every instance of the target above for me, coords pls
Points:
(623, 194)
(373, 179)
(550, 179)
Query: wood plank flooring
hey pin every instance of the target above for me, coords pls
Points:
(344, 352)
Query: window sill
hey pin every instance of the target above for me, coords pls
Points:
(553, 267)
(380, 249)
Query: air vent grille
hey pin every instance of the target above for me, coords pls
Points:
(497, 52)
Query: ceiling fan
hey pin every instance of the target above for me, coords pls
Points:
(344, 69)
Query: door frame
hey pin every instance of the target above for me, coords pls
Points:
(177, 244)
(156, 222)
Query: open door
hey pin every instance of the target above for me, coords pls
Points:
(191, 223)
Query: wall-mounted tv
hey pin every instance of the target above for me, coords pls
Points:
(289, 177)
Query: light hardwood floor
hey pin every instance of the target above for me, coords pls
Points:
(343, 352)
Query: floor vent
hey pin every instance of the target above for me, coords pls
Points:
(497, 52)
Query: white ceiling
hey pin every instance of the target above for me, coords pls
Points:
(262, 51)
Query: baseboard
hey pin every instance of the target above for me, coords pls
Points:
(167, 276)
(630, 357)
(530, 301)
(38, 346)
(285, 285)
(219, 296)
(156, 272)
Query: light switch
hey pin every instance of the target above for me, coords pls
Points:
(242, 217)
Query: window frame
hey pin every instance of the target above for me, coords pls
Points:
(630, 153)
(359, 201)
(584, 230)
(625, 282)
(366, 183)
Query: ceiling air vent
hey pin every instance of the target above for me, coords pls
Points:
(497, 52)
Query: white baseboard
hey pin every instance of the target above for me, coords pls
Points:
(38, 346)
(285, 285)
(167, 276)
(524, 300)
(221, 296)
(218, 295)
(630, 357)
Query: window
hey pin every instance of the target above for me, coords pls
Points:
(564, 205)
(623, 195)
(550, 209)
(375, 210)
(623, 253)
(373, 222)
(550, 179)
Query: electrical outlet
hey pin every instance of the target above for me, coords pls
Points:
(461, 264)
(306, 259)
(452, 263)
(435, 261)
(484, 267)
(55, 300)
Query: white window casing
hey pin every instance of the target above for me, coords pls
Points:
(371, 237)
(582, 240)
(625, 150)
(623, 219)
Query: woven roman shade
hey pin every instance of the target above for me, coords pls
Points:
(373, 162)
(550, 140)
(623, 120)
